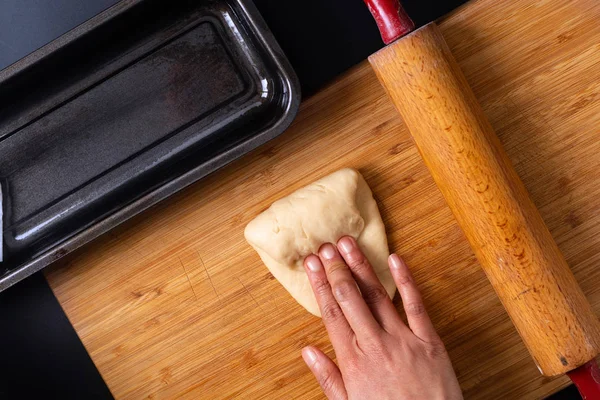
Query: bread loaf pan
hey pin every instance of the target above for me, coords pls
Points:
(127, 109)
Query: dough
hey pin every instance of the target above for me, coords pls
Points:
(295, 226)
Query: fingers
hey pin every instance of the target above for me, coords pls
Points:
(335, 322)
(347, 293)
(371, 288)
(327, 373)
(417, 317)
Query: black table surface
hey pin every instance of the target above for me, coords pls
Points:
(42, 355)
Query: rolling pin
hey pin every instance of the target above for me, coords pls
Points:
(489, 201)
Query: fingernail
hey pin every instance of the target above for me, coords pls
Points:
(309, 356)
(327, 251)
(347, 244)
(395, 261)
(313, 263)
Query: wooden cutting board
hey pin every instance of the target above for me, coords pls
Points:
(175, 304)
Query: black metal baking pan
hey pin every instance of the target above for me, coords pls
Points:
(126, 109)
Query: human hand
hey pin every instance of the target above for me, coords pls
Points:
(379, 356)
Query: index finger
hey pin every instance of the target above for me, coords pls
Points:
(335, 322)
(347, 293)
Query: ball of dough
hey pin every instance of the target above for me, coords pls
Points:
(295, 226)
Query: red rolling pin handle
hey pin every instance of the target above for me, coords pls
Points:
(392, 20)
(587, 380)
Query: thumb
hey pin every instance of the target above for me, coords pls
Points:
(327, 373)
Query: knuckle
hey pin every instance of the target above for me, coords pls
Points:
(359, 264)
(375, 348)
(344, 290)
(375, 294)
(331, 312)
(436, 349)
(322, 287)
(327, 380)
(404, 279)
(415, 309)
(336, 267)
(376, 344)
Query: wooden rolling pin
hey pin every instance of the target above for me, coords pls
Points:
(488, 199)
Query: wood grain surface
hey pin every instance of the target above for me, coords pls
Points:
(488, 200)
(174, 303)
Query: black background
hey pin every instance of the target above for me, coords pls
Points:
(41, 353)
